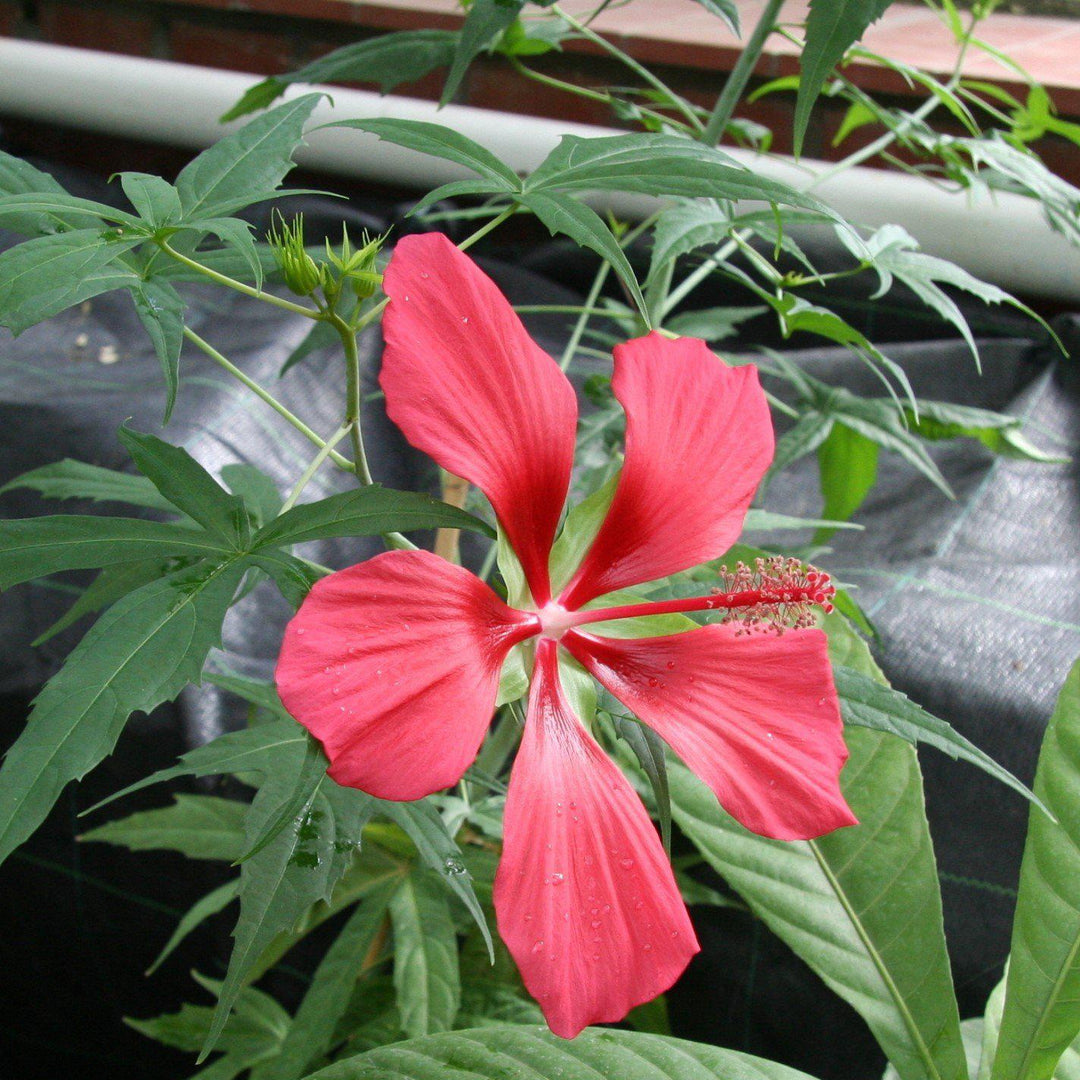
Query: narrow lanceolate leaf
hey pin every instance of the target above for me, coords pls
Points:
(195, 916)
(425, 955)
(485, 21)
(141, 652)
(42, 277)
(832, 27)
(198, 826)
(68, 479)
(155, 200)
(364, 512)
(501, 1053)
(298, 868)
(161, 311)
(441, 142)
(564, 215)
(659, 165)
(387, 60)
(312, 1030)
(187, 485)
(247, 165)
(865, 702)
(34, 547)
(840, 902)
(1042, 996)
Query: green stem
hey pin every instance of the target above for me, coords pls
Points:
(740, 74)
(627, 60)
(313, 468)
(239, 286)
(484, 229)
(266, 396)
(583, 318)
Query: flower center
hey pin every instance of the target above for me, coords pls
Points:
(555, 620)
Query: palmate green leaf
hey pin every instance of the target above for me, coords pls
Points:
(236, 236)
(55, 212)
(1042, 997)
(564, 215)
(365, 512)
(161, 311)
(259, 491)
(300, 866)
(832, 27)
(35, 547)
(293, 576)
(441, 142)
(847, 467)
(688, 225)
(425, 955)
(246, 166)
(808, 433)
(210, 904)
(141, 652)
(198, 826)
(260, 694)
(578, 532)
(44, 276)
(659, 165)
(188, 486)
(894, 254)
(486, 20)
(388, 60)
(510, 1053)
(998, 432)
(840, 901)
(865, 702)
(311, 1032)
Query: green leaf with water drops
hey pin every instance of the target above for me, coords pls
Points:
(426, 974)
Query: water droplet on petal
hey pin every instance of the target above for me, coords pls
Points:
(573, 805)
(301, 630)
(538, 945)
(653, 681)
(639, 905)
(528, 916)
(464, 318)
(424, 274)
(627, 864)
(647, 947)
(671, 665)
(556, 879)
(596, 923)
(596, 956)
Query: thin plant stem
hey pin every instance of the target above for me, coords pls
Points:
(583, 318)
(484, 229)
(740, 74)
(627, 60)
(313, 468)
(239, 286)
(266, 396)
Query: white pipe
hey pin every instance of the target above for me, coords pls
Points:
(1002, 239)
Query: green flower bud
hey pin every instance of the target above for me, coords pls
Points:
(302, 274)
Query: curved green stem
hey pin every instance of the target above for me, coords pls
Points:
(487, 227)
(265, 395)
(238, 286)
(583, 318)
(313, 468)
(628, 61)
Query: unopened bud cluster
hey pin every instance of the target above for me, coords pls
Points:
(772, 595)
(343, 265)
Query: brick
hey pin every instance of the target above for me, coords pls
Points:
(10, 16)
(118, 28)
(214, 45)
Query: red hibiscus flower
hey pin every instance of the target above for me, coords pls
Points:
(394, 664)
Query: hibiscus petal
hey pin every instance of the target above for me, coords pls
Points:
(468, 386)
(393, 665)
(585, 897)
(698, 441)
(755, 716)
